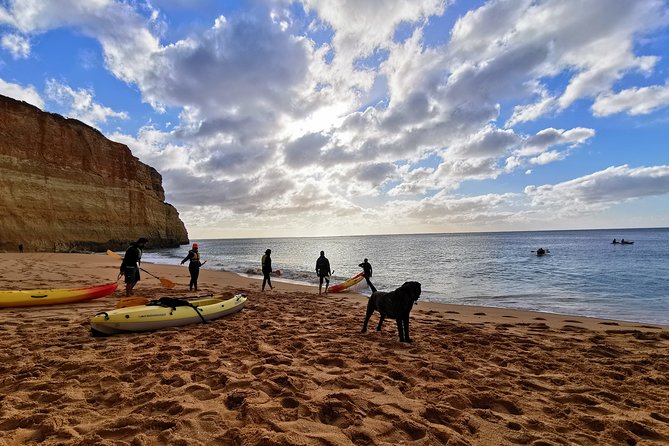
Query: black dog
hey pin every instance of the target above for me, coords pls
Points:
(394, 305)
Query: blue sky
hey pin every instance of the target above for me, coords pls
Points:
(320, 117)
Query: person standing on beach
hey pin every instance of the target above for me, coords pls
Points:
(131, 264)
(367, 273)
(193, 266)
(323, 272)
(266, 262)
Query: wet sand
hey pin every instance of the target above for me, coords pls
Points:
(293, 369)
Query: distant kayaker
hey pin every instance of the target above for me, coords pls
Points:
(323, 272)
(266, 263)
(194, 266)
(131, 264)
(615, 241)
(541, 251)
(367, 273)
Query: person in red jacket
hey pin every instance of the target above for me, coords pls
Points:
(194, 266)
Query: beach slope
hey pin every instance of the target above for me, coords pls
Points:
(293, 369)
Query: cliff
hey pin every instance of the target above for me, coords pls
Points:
(65, 187)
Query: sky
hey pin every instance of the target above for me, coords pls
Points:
(273, 118)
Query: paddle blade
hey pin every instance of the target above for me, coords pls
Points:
(113, 254)
(131, 302)
(167, 283)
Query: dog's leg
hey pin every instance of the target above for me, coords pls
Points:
(370, 310)
(383, 318)
(400, 329)
(406, 329)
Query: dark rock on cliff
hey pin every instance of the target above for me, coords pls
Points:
(65, 187)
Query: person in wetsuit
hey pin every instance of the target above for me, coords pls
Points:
(367, 273)
(323, 272)
(131, 264)
(266, 262)
(193, 266)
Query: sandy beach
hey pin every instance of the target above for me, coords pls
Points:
(293, 369)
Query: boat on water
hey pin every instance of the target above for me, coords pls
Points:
(31, 298)
(163, 313)
(622, 242)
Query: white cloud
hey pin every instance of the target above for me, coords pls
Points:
(601, 189)
(18, 46)
(273, 118)
(531, 112)
(547, 138)
(362, 27)
(27, 94)
(79, 104)
(634, 101)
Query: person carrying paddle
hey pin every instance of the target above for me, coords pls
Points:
(130, 264)
(266, 262)
(193, 266)
(323, 272)
(367, 273)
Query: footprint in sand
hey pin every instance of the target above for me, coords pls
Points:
(202, 393)
(290, 403)
(480, 314)
(659, 417)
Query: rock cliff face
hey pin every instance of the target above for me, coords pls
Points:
(65, 187)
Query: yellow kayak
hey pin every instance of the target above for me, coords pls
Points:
(338, 288)
(29, 298)
(165, 312)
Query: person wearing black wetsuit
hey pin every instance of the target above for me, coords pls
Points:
(131, 264)
(323, 272)
(367, 273)
(266, 262)
(193, 266)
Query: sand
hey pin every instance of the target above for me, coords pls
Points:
(293, 369)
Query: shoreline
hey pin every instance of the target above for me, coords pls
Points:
(100, 266)
(293, 368)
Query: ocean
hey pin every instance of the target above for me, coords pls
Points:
(584, 274)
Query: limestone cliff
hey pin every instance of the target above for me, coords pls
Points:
(65, 187)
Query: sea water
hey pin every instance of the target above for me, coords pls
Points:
(584, 273)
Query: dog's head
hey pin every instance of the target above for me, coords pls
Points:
(411, 290)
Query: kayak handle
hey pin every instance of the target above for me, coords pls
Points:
(101, 313)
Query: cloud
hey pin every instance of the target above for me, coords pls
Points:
(27, 94)
(363, 104)
(634, 101)
(79, 104)
(305, 150)
(361, 27)
(601, 189)
(531, 112)
(18, 46)
(445, 209)
(489, 143)
(549, 137)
